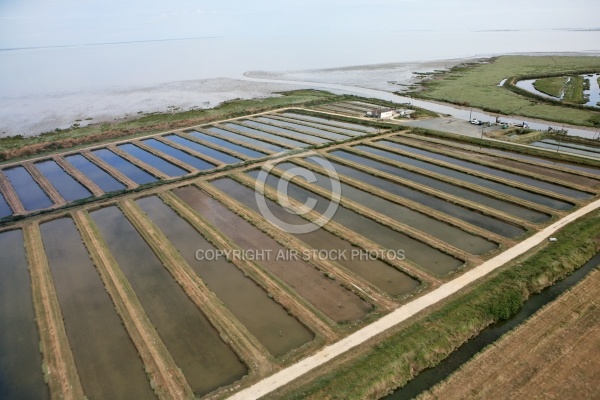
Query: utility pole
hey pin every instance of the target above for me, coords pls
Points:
(558, 147)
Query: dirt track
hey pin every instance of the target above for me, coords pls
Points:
(556, 354)
(292, 372)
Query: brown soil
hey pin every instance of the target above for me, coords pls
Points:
(555, 355)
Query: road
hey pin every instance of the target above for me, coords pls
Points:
(461, 113)
(404, 312)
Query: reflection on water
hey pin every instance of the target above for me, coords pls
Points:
(162, 165)
(305, 128)
(235, 136)
(351, 127)
(30, 193)
(264, 318)
(454, 236)
(96, 174)
(520, 193)
(21, 374)
(380, 274)
(465, 214)
(217, 155)
(467, 194)
(527, 84)
(565, 149)
(417, 252)
(5, 209)
(131, 171)
(65, 184)
(106, 359)
(182, 156)
(332, 299)
(232, 146)
(206, 361)
(593, 94)
(491, 171)
(258, 132)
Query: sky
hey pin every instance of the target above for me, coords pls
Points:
(38, 23)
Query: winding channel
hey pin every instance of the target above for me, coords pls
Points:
(453, 111)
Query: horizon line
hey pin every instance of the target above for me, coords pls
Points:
(106, 43)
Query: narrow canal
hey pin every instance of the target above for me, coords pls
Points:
(430, 377)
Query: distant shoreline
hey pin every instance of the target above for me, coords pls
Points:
(35, 115)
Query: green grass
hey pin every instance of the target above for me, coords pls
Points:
(392, 362)
(574, 90)
(551, 86)
(476, 86)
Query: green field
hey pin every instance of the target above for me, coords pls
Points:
(551, 86)
(574, 90)
(476, 85)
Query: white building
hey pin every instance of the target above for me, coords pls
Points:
(382, 113)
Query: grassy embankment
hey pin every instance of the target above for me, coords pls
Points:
(374, 370)
(571, 86)
(476, 85)
(574, 90)
(553, 86)
(556, 342)
(18, 147)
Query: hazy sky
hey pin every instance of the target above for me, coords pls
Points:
(26, 23)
